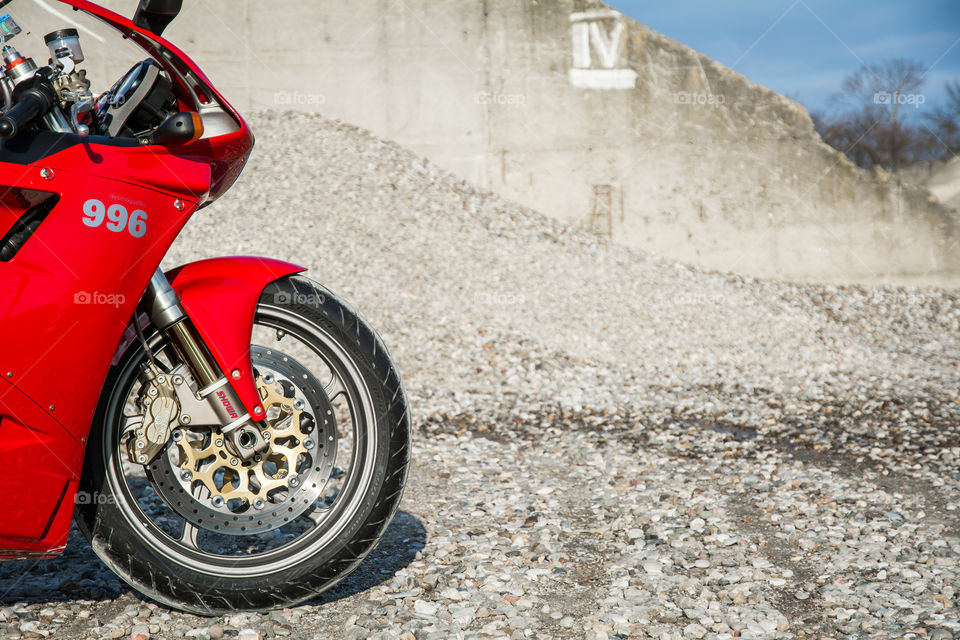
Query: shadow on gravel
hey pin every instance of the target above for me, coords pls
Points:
(79, 575)
(404, 537)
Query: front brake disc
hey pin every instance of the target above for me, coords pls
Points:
(200, 478)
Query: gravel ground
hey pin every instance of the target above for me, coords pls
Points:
(608, 445)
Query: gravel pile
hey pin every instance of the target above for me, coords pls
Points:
(609, 445)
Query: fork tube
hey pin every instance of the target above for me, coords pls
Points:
(168, 315)
(193, 353)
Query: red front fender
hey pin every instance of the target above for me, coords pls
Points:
(220, 295)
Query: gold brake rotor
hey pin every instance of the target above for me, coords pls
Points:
(207, 460)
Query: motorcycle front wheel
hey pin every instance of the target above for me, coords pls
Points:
(203, 531)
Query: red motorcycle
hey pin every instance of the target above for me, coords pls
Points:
(229, 435)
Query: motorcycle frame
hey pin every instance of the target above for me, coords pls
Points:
(69, 293)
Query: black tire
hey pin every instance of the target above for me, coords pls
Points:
(136, 546)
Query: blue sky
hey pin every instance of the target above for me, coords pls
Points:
(804, 48)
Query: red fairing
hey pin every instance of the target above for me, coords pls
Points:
(108, 213)
(41, 466)
(65, 301)
(226, 153)
(220, 295)
(69, 293)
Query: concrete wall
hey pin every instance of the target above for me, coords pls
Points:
(940, 177)
(544, 101)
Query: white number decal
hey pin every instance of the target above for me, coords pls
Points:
(138, 223)
(94, 213)
(117, 216)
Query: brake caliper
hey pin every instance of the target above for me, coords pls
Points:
(160, 409)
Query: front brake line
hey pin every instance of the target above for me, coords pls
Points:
(143, 340)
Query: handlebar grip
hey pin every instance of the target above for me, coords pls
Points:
(32, 104)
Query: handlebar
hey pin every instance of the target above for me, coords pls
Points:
(32, 102)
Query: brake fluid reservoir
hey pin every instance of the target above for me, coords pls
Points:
(8, 28)
(64, 38)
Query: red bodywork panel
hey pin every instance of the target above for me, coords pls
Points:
(69, 292)
(41, 466)
(220, 295)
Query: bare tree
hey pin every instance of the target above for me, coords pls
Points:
(853, 134)
(944, 122)
(877, 108)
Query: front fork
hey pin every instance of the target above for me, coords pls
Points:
(213, 388)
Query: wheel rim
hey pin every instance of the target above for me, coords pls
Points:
(342, 494)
